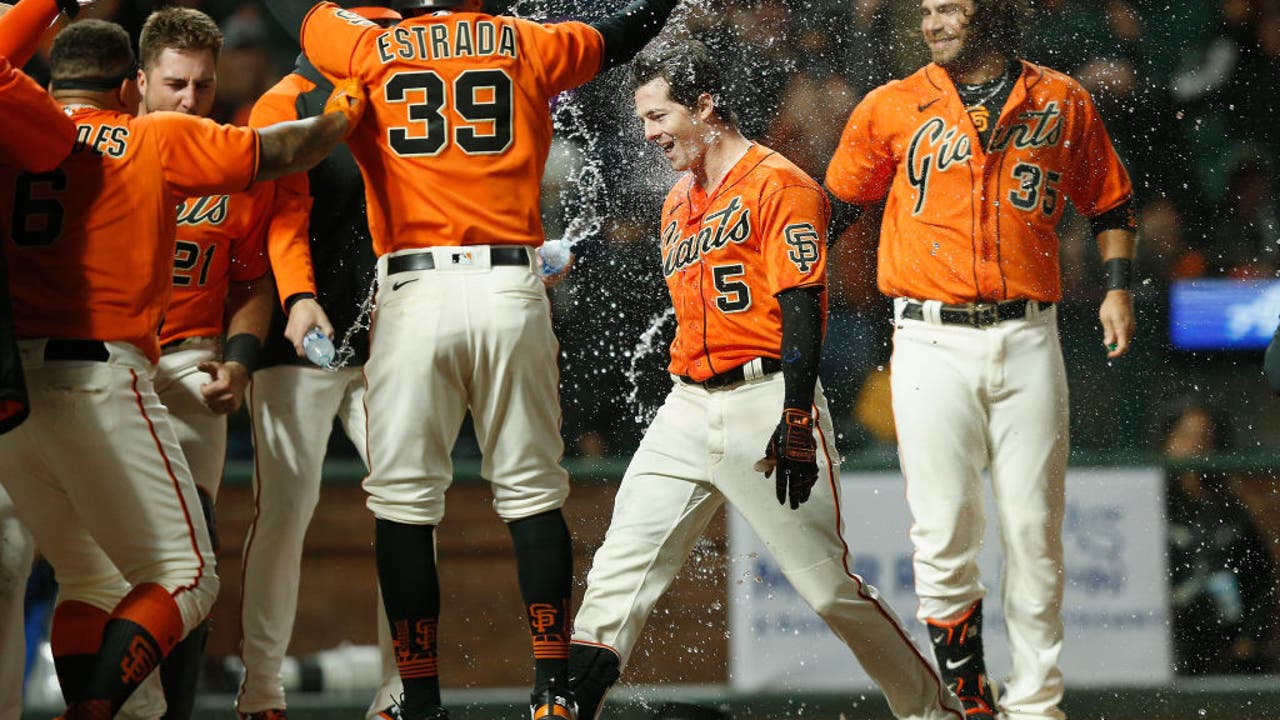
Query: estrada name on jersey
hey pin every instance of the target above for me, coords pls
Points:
(444, 42)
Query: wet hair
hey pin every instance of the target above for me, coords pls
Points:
(1001, 24)
(178, 28)
(690, 70)
(91, 49)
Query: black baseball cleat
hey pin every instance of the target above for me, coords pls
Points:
(553, 703)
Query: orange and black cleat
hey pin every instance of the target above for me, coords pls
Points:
(553, 703)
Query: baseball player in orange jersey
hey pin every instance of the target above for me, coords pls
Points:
(96, 472)
(978, 153)
(321, 258)
(220, 280)
(38, 135)
(460, 113)
(744, 237)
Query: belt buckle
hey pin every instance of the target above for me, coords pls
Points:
(982, 314)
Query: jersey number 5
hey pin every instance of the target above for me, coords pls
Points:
(482, 98)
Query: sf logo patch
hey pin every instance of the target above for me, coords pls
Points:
(803, 242)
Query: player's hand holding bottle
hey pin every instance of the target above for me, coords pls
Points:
(792, 452)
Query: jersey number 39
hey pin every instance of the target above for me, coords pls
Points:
(482, 98)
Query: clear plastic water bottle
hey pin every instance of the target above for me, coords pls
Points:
(553, 256)
(318, 347)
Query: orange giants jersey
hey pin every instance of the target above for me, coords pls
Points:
(288, 236)
(92, 243)
(37, 133)
(964, 223)
(221, 239)
(456, 135)
(728, 254)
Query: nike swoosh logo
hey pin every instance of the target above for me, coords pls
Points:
(402, 283)
(925, 106)
(939, 639)
(959, 663)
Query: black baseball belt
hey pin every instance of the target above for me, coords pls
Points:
(751, 370)
(976, 314)
(85, 350)
(506, 255)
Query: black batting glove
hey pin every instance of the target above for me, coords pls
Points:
(792, 451)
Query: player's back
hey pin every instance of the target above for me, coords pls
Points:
(92, 242)
(456, 137)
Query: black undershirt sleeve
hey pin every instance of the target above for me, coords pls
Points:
(843, 215)
(801, 344)
(628, 31)
(1119, 218)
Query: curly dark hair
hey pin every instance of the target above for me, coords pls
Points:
(91, 49)
(690, 70)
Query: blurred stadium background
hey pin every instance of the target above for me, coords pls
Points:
(1189, 89)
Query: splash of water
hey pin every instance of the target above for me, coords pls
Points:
(644, 347)
(363, 322)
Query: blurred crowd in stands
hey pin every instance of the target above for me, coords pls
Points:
(1189, 90)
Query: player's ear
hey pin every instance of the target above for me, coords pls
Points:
(706, 107)
(130, 95)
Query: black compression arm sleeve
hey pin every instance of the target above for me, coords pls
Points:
(627, 32)
(801, 344)
(1118, 218)
(290, 14)
(843, 215)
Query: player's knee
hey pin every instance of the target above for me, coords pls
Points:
(197, 601)
(531, 501)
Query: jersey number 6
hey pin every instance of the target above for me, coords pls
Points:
(37, 212)
(480, 97)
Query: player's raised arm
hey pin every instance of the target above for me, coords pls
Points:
(38, 134)
(628, 31)
(21, 29)
(290, 147)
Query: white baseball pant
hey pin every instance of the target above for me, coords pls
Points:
(697, 454)
(202, 433)
(292, 410)
(970, 399)
(97, 475)
(462, 335)
(16, 553)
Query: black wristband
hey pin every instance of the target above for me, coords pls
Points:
(70, 8)
(1119, 273)
(289, 301)
(243, 348)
